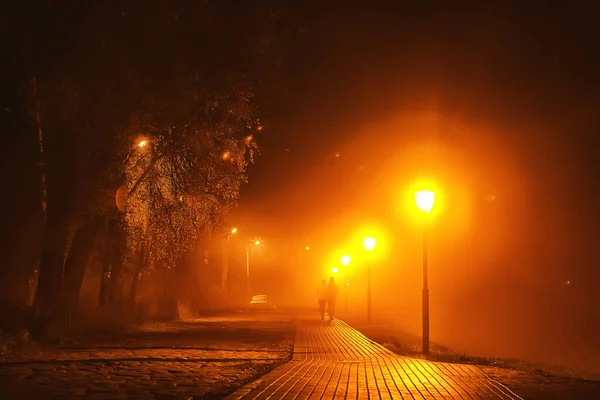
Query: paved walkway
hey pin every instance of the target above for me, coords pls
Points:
(334, 360)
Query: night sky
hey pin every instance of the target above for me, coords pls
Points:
(511, 65)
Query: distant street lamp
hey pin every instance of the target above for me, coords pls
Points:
(256, 243)
(369, 246)
(425, 200)
(142, 143)
(225, 270)
(335, 270)
(346, 261)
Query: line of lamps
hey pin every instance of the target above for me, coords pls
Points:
(425, 201)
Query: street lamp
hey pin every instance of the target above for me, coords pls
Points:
(225, 260)
(369, 246)
(256, 243)
(142, 143)
(335, 270)
(425, 200)
(346, 261)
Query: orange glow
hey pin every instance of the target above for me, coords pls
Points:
(257, 242)
(369, 243)
(248, 139)
(142, 143)
(234, 230)
(307, 248)
(334, 270)
(425, 200)
(346, 260)
(226, 155)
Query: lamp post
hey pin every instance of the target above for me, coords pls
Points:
(256, 243)
(369, 246)
(425, 200)
(346, 261)
(225, 260)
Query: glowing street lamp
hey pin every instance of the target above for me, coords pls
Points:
(256, 243)
(142, 143)
(335, 270)
(425, 200)
(307, 248)
(369, 243)
(234, 230)
(346, 261)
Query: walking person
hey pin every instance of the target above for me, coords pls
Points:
(323, 295)
(332, 291)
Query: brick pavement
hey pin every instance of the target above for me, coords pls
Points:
(200, 358)
(334, 360)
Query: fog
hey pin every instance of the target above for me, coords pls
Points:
(503, 245)
(494, 110)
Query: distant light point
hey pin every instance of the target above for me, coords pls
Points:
(226, 155)
(142, 143)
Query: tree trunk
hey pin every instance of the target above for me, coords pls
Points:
(117, 240)
(81, 250)
(105, 256)
(137, 275)
(51, 266)
(33, 273)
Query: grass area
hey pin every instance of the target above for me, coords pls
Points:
(411, 345)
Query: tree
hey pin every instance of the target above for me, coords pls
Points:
(103, 80)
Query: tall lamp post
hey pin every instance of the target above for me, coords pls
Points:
(369, 246)
(225, 261)
(256, 243)
(425, 200)
(345, 262)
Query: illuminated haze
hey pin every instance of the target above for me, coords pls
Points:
(496, 111)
